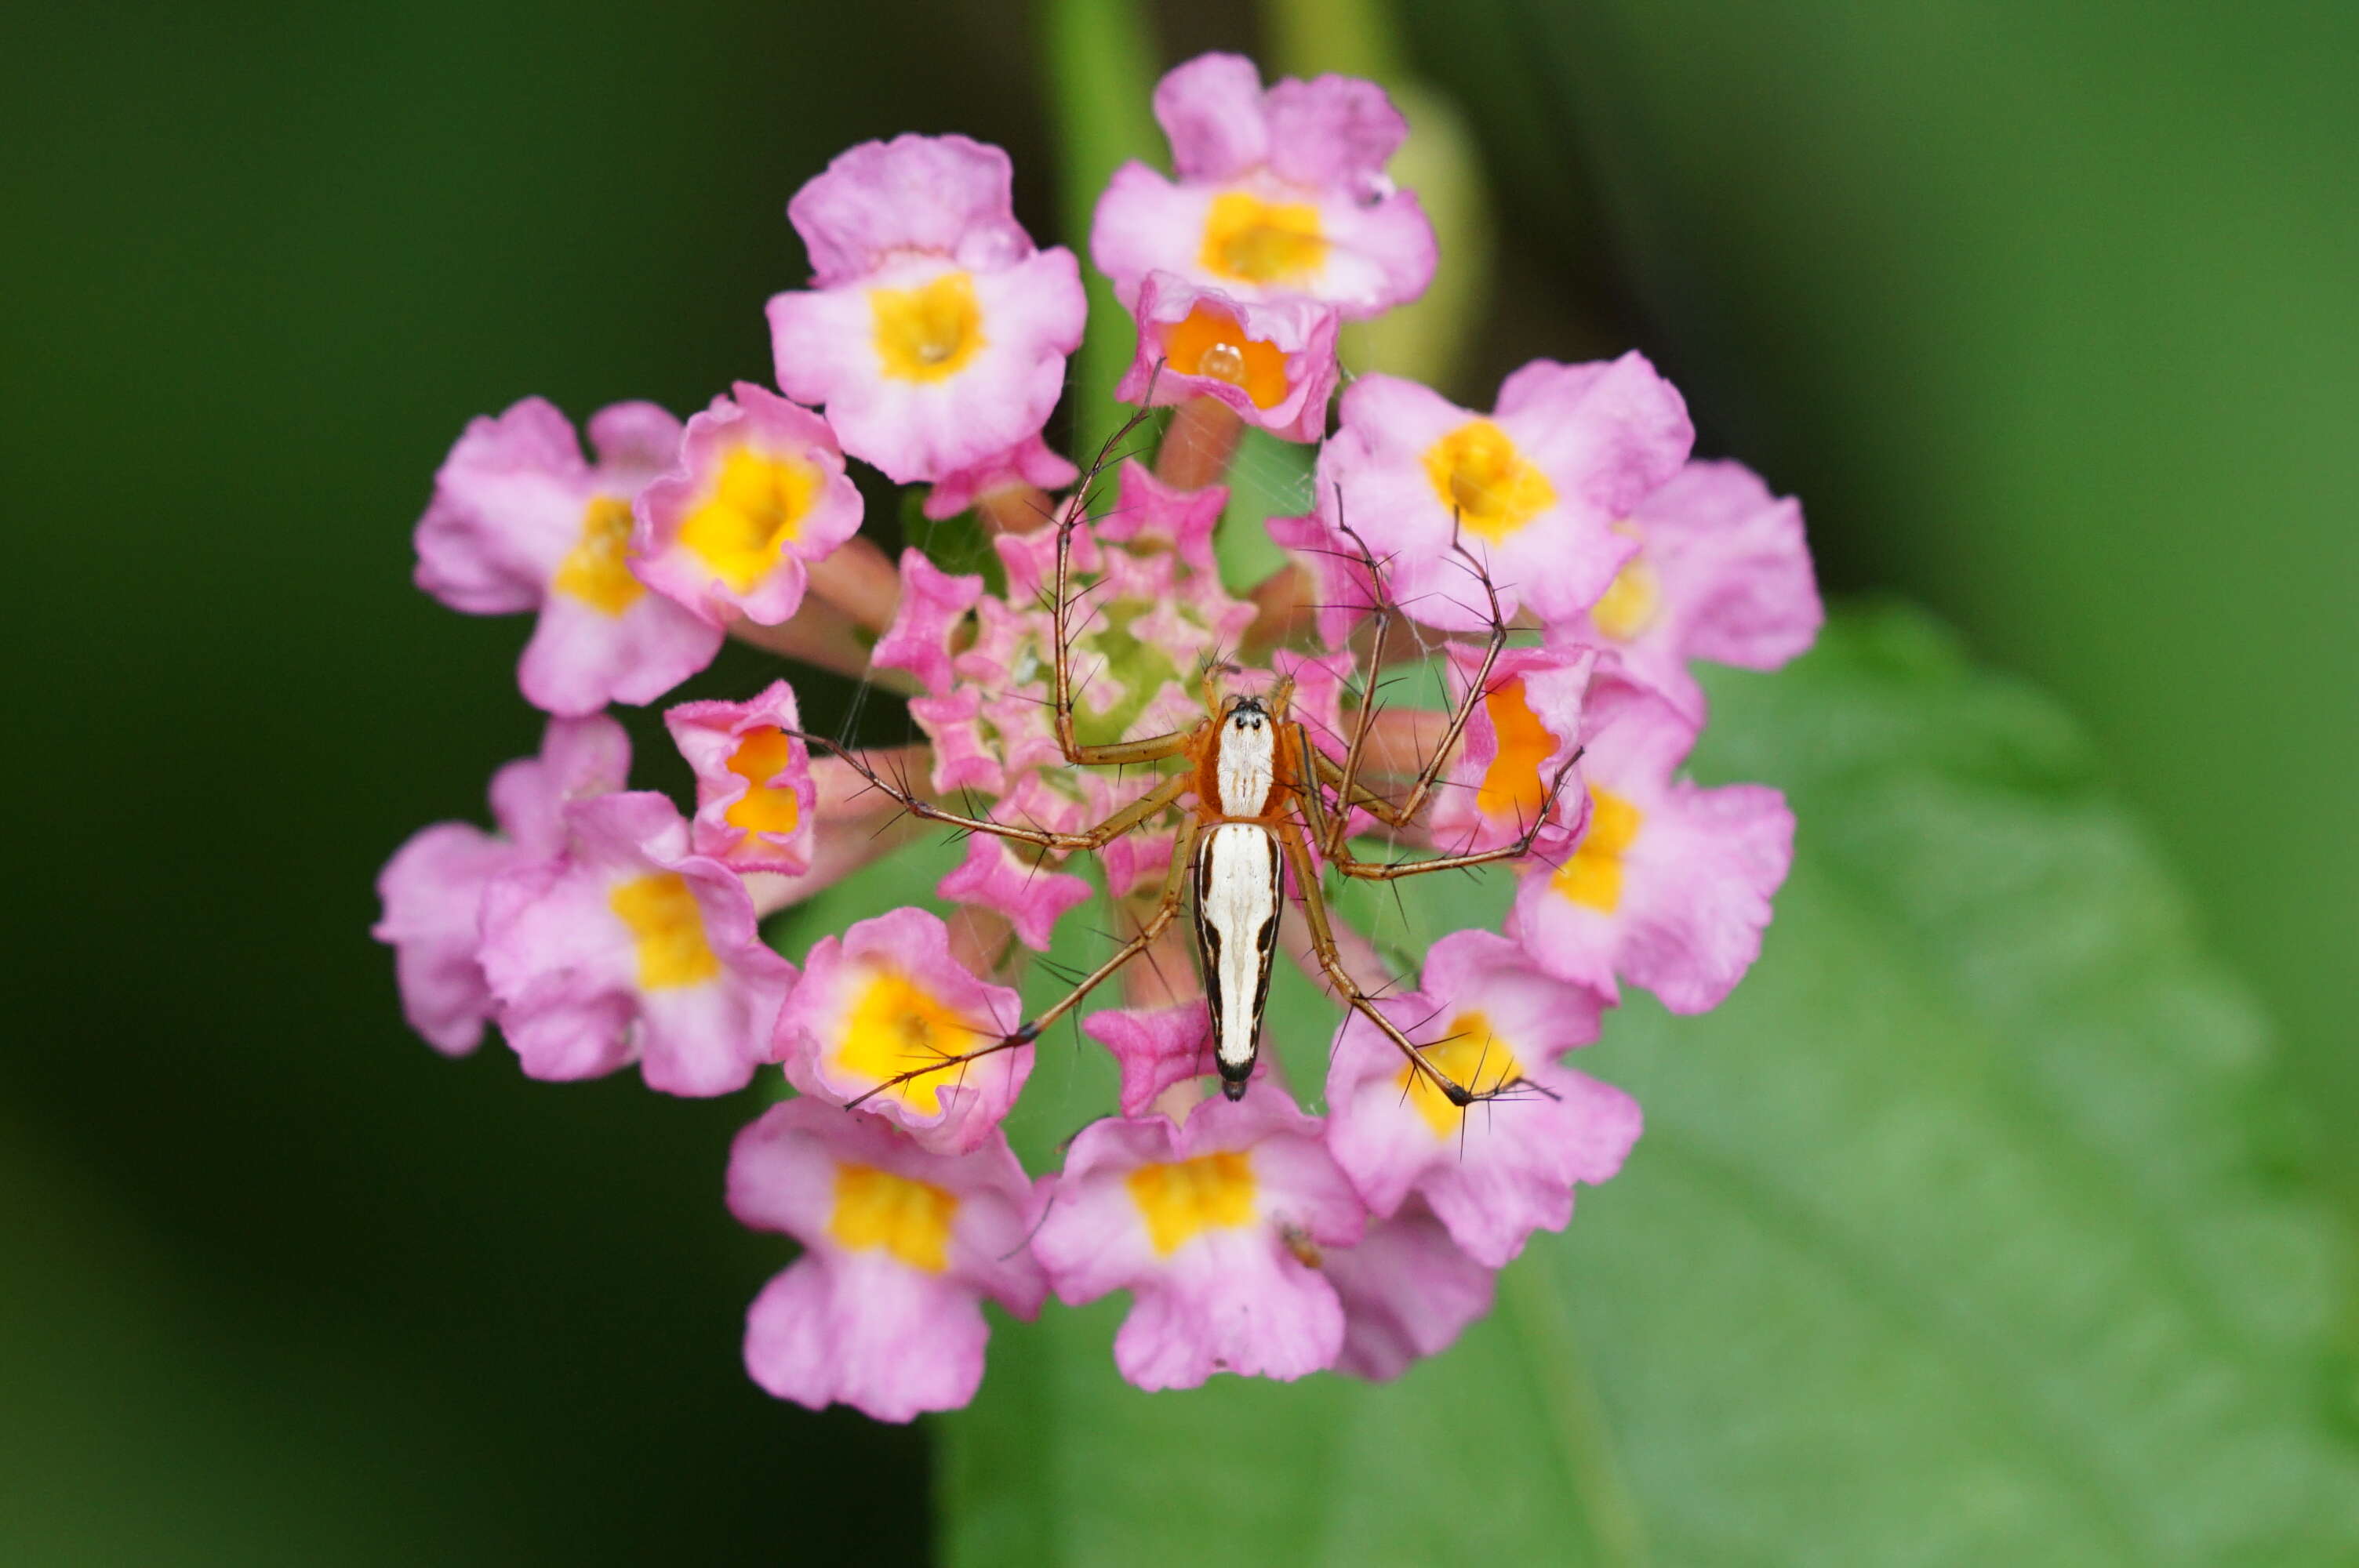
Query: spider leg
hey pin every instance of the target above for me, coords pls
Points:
(1167, 904)
(1154, 749)
(1331, 962)
(1330, 772)
(1307, 790)
(1164, 795)
(1346, 779)
(1070, 518)
(1351, 865)
(1478, 690)
(1167, 909)
(1323, 827)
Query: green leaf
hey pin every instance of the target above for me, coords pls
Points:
(1959, 1233)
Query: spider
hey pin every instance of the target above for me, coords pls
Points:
(1255, 797)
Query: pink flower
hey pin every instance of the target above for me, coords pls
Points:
(1531, 492)
(1342, 591)
(579, 758)
(1144, 616)
(1199, 1223)
(884, 1310)
(1518, 741)
(1030, 462)
(1492, 1172)
(759, 492)
(598, 929)
(432, 892)
(1720, 572)
(755, 798)
(933, 605)
(632, 947)
(520, 522)
(1018, 721)
(1030, 561)
(962, 757)
(1272, 364)
(1669, 885)
(1149, 512)
(936, 335)
(1009, 879)
(1156, 1047)
(432, 889)
(1000, 632)
(1281, 193)
(1407, 1292)
(889, 996)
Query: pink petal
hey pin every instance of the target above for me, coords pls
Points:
(1301, 333)
(1407, 1292)
(767, 426)
(1155, 1047)
(946, 195)
(1030, 462)
(710, 736)
(432, 892)
(953, 1111)
(1147, 510)
(933, 604)
(999, 876)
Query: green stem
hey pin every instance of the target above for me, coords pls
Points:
(1352, 37)
(1575, 1414)
(1426, 339)
(1100, 77)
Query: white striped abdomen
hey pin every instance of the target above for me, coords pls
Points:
(1238, 893)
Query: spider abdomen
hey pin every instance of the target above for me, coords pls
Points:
(1237, 895)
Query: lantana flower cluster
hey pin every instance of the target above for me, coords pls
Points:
(603, 928)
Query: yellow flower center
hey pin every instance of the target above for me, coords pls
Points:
(667, 928)
(910, 1219)
(928, 333)
(597, 569)
(1630, 601)
(1512, 785)
(1493, 488)
(760, 757)
(1262, 241)
(1183, 1200)
(1211, 343)
(1592, 876)
(1479, 1060)
(896, 1024)
(756, 508)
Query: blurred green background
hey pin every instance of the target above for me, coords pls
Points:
(2045, 311)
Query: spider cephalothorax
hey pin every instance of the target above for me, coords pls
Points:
(1258, 806)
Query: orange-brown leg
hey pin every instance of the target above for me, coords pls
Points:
(1163, 795)
(1339, 976)
(1168, 905)
(1346, 778)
